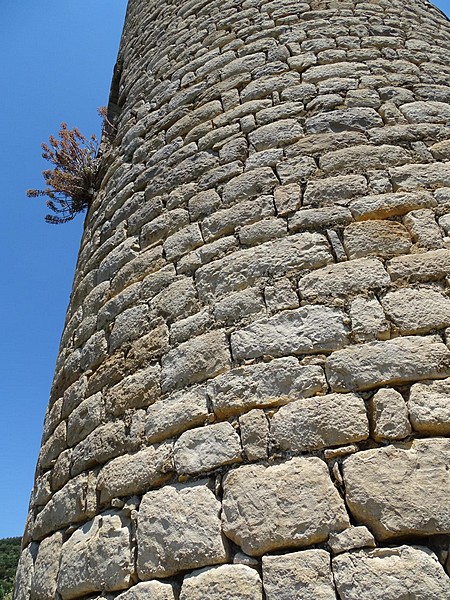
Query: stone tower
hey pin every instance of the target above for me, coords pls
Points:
(252, 396)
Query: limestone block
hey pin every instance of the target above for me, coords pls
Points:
(264, 86)
(198, 359)
(382, 206)
(117, 304)
(426, 112)
(135, 391)
(24, 573)
(424, 229)
(75, 502)
(177, 301)
(254, 429)
(390, 362)
(353, 119)
(441, 150)
(149, 590)
(222, 583)
(120, 255)
(296, 169)
(276, 258)
(298, 576)
(135, 270)
(334, 190)
(309, 329)
(388, 415)
(190, 327)
(94, 351)
(42, 489)
(129, 325)
(319, 218)
(203, 204)
(85, 418)
(429, 407)
(97, 557)
(418, 176)
(376, 238)
(240, 305)
(183, 241)
(173, 415)
(275, 135)
(254, 512)
(262, 231)
(368, 320)
(351, 539)
(427, 266)
(207, 448)
(287, 198)
(362, 158)
(417, 310)
(401, 491)
(249, 185)
(173, 535)
(225, 221)
(390, 573)
(339, 69)
(344, 279)
(265, 384)
(280, 294)
(46, 568)
(135, 473)
(54, 446)
(315, 423)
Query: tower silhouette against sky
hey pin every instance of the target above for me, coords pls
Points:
(252, 394)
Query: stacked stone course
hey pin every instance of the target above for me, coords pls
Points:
(252, 394)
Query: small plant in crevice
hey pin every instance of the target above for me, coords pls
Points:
(71, 184)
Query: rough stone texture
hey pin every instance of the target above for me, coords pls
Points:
(254, 429)
(376, 238)
(266, 384)
(298, 576)
(390, 573)
(206, 448)
(401, 491)
(310, 329)
(429, 407)
(392, 362)
(255, 500)
(174, 535)
(319, 422)
(368, 320)
(97, 557)
(417, 310)
(388, 415)
(24, 574)
(228, 581)
(350, 539)
(149, 590)
(46, 568)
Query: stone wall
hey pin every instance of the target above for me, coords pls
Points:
(252, 396)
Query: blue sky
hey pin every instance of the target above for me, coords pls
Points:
(58, 57)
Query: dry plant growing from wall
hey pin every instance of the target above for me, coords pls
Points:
(72, 182)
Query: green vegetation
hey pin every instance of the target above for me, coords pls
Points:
(9, 557)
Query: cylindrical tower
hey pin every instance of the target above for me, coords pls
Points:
(252, 395)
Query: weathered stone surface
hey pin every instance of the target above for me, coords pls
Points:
(418, 176)
(149, 590)
(361, 158)
(97, 557)
(249, 185)
(427, 266)
(266, 384)
(75, 502)
(395, 361)
(275, 135)
(426, 112)
(318, 422)
(350, 539)
(388, 415)
(390, 573)
(276, 258)
(383, 206)
(135, 391)
(46, 568)
(129, 325)
(240, 305)
(344, 279)
(224, 222)
(180, 411)
(309, 329)
(207, 448)
(298, 576)
(174, 535)
(351, 119)
(417, 310)
(255, 499)
(424, 229)
(85, 418)
(376, 238)
(368, 320)
(254, 429)
(398, 491)
(334, 190)
(24, 573)
(201, 358)
(429, 407)
(135, 473)
(319, 218)
(222, 583)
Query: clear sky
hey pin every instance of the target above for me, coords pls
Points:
(58, 57)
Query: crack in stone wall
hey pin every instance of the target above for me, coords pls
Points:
(251, 398)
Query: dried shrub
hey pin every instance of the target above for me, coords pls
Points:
(72, 182)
